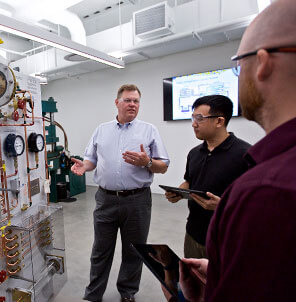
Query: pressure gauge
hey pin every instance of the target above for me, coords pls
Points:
(36, 142)
(3, 84)
(7, 84)
(14, 145)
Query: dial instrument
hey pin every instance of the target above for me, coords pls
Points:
(14, 145)
(3, 84)
(36, 142)
(7, 84)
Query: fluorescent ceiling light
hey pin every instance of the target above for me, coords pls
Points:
(27, 31)
(118, 54)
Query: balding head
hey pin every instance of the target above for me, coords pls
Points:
(267, 80)
(275, 26)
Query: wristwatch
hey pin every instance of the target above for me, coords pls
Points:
(149, 163)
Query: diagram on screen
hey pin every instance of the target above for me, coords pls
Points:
(187, 89)
(188, 96)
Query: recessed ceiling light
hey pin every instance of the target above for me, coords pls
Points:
(86, 16)
(96, 12)
(108, 7)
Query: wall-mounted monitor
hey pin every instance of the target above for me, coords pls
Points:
(179, 93)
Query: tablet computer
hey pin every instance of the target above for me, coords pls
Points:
(185, 193)
(164, 264)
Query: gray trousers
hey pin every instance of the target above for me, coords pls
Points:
(131, 215)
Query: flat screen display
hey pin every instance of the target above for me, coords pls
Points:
(181, 92)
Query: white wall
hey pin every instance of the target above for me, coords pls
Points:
(86, 101)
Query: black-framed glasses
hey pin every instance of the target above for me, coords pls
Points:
(199, 117)
(285, 49)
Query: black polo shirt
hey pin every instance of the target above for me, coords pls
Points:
(212, 172)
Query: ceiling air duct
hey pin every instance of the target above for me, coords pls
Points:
(154, 21)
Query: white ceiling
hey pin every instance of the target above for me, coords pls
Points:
(99, 16)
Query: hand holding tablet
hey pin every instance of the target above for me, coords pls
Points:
(184, 193)
(165, 265)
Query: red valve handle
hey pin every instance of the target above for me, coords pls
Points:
(15, 115)
(21, 104)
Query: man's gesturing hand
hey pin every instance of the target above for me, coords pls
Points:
(78, 168)
(140, 159)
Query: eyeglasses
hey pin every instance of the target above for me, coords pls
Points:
(129, 101)
(199, 117)
(285, 49)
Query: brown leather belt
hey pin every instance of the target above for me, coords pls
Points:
(123, 193)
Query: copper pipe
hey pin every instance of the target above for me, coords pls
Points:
(6, 218)
(16, 125)
(41, 238)
(42, 224)
(28, 164)
(8, 232)
(1, 164)
(63, 130)
(11, 239)
(27, 236)
(2, 247)
(4, 185)
(10, 248)
(13, 264)
(3, 182)
(24, 111)
(14, 205)
(14, 255)
(30, 249)
(6, 195)
(33, 168)
(25, 244)
(45, 152)
(25, 108)
(2, 203)
(14, 272)
(14, 174)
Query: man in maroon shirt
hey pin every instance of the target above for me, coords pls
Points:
(251, 239)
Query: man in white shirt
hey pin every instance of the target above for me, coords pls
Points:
(125, 154)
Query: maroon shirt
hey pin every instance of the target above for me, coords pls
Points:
(251, 242)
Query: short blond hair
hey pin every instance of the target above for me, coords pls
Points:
(127, 87)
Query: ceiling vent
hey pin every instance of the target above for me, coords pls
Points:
(154, 21)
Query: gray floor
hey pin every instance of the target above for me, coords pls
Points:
(167, 226)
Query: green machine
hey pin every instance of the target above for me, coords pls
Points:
(64, 184)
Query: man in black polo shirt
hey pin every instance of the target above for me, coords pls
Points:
(211, 167)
